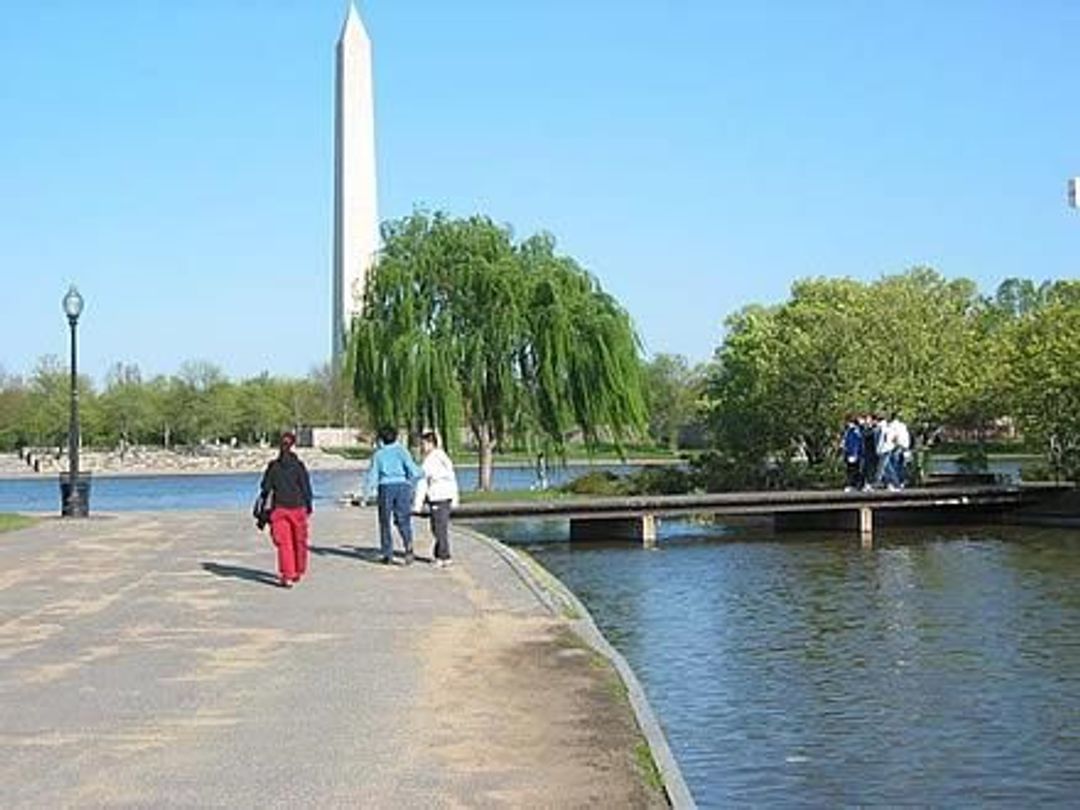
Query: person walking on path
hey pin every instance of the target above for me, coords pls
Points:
(287, 484)
(439, 489)
(853, 451)
(390, 477)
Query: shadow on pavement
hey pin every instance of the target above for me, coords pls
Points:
(240, 572)
(367, 555)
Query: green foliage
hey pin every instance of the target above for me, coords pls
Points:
(659, 481)
(1044, 359)
(915, 343)
(49, 401)
(14, 412)
(665, 480)
(1034, 472)
(673, 392)
(601, 482)
(721, 472)
(198, 405)
(461, 327)
(785, 377)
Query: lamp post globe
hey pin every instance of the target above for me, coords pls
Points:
(73, 303)
(76, 495)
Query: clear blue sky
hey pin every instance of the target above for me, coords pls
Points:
(174, 158)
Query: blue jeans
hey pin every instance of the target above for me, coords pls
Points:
(395, 502)
(898, 467)
(889, 469)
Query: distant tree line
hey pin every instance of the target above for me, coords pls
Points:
(197, 405)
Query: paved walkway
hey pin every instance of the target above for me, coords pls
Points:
(148, 660)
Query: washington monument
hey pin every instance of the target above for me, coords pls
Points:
(356, 223)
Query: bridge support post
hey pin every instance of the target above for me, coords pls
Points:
(648, 530)
(639, 528)
(866, 526)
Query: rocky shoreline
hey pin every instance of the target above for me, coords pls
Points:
(158, 461)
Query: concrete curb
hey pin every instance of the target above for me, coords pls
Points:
(561, 601)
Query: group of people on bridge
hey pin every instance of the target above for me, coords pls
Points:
(400, 486)
(877, 452)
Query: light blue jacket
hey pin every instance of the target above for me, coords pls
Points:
(391, 464)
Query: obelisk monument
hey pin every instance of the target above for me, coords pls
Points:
(356, 223)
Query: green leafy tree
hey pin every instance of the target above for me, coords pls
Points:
(463, 328)
(50, 397)
(14, 412)
(125, 405)
(203, 402)
(785, 377)
(1044, 357)
(922, 348)
(673, 391)
(746, 414)
(332, 400)
(49, 405)
(263, 408)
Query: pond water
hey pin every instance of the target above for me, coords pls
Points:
(235, 490)
(940, 668)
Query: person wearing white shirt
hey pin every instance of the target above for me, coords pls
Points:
(885, 441)
(901, 449)
(438, 488)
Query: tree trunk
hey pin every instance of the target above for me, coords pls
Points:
(486, 456)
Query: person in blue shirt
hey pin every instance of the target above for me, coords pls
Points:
(853, 453)
(390, 477)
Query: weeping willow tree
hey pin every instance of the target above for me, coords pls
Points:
(463, 328)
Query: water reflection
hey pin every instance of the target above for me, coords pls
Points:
(942, 667)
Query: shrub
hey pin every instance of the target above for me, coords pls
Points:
(659, 481)
(602, 482)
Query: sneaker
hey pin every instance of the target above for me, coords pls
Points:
(409, 558)
(848, 489)
(284, 583)
(386, 560)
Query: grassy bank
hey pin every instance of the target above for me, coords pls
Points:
(9, 522)
(575, 455)
(517, 495)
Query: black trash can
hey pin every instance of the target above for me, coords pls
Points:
(77, 503)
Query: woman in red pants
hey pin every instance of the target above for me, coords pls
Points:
(288, 486)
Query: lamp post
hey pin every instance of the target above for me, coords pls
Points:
(74, 504)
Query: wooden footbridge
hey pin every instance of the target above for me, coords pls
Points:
(635, 518)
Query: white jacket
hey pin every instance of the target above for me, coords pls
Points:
(886, 439)
(901, 434)
(439, 482)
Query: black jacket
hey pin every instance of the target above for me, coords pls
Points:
(286, 478)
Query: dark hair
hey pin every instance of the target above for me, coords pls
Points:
(387, 434)
(288, 439)
(429, 436)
